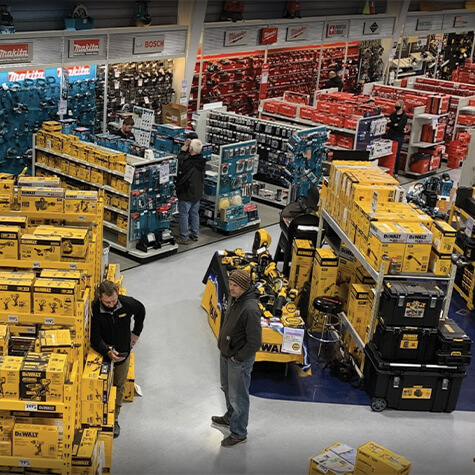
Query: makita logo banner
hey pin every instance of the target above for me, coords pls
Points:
(84, 47)
(29, 74)
(79, 71)
(16, 53)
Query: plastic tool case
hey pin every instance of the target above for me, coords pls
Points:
(410, 386)
(453, 344)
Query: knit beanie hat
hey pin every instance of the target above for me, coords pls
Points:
(241, 278)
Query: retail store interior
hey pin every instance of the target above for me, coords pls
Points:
(330, 150)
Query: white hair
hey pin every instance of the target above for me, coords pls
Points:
(196, 146)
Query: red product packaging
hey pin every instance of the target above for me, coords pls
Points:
(324, 106)
(306, 112)
(289, 110)
(419, 165)
(344, 141)
(351, 122)
(434, 162)
(466, 119)
(271, 106)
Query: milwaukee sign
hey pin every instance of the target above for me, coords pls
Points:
(84, 47)
(236, 38)
(16, 53)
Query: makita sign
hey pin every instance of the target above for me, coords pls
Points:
(79, 70)
(16, 53)
(84, 47)
(29, 74)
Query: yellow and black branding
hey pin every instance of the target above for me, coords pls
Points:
(416, 392)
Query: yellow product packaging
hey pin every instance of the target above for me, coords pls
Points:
(40, 200)
(85, 449)
(96, 378)
(39, 182)
(10, 375)
(82, 279)
(303, 251)
(440, 264)
(54, 297)
(345, 273)
(418, 247)
(359, 310)
(5, 447)
(443, 237)
(35, 440)
(9, 241)
(20, 221)
(130, 382)
(74, 241)
(374, 458)
(80, 201)
(15, 295)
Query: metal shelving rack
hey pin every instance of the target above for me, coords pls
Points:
(379, 276)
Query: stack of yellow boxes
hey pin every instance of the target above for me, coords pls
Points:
(130, 382)
(57, 341)
(303, 251)
(374, 458)
(442, 247)
(95, 389)
(7, 190)
(4, 339)
(35, 440)
(87, 454)
(16, 292)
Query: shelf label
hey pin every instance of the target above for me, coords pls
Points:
(292, 340)
(36, 265)
(12, 318)
(81, 217)
(73, 265)
(24, 462)
(31, 406)
(129, 173)
(469, 227)
(49, 321)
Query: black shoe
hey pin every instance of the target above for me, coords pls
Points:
(230, 441)
(182, 240)
(219, 421)
(116, 430)
(193, 237)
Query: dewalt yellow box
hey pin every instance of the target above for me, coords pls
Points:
(443, 237)
(440, 264)
(9, 240)
(51, 126)
(40, 248)
(39, 182)
(301, 267)
(324, 274)
(386, 244)
(374, 458)
(6, 447)
(362, 276)
(4, 339)
(74, 241)
(40, 200)
(82, 279)
(80, 201)
(345, 273)
(418, 247)
(6, 425)
(15, 295)
(96, 378)
(10, 375)
(20, 221)
(107, 438)
(5, 201)
(359, 311)
(35, 440)
(130, 382)
(84, 451)
(94, 413)
(54, 297)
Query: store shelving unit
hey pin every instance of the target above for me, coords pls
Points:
(121, 236)
(378, 275)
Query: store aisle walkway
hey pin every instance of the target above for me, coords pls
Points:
(168, 430)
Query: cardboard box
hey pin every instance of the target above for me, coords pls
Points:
(54, 297)
(130, 382)
(303, 251)
(9, 242)
(15, 295)
(20, 221)
(40, 200)
(80, 201)
(39, 182)
(418, 247)
(96, 378)
(84, 452)
(82, 280)
(35, 440)
(345, 273)
(10, 375)
(359, 310)
(443, 237)
(174, 114)
(40, 248)
(74, 241)
(338, 456)
(440, 264)
(374, 458)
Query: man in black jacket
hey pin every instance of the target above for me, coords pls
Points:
(189, 188)
(111, 336)
(239, 340)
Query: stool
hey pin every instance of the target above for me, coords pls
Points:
(325, 327)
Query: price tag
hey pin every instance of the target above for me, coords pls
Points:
(129, 173)
(116, 84)
(48, 143)
(73, 265)
(140, 82)
(122, 101)
(81, 217)
(36, 265)
(435, 122)
(12, 318)
(49, 321)
(24, 462)
(31, 406)
(146, 100)
(469, 227)
(116, 73)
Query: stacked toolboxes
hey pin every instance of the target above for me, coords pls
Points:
(412, 363)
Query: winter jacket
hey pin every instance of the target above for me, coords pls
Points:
(241, 332)
(112, 328)
(334, 82)
(191, 176)
(397, 124)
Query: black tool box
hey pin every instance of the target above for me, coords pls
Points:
(467, 244)
(411, 304)
(410, 386)
(453, 344)
(409, 344)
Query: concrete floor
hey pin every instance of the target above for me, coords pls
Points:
(168, 430)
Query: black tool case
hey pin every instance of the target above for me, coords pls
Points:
(411, 304)
(406, 344)
(453, 345)
(410, 386)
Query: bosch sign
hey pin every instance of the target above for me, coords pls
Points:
(149, 44)
(16, 53)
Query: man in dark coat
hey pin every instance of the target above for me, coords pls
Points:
(189, 188)
(111, 334)
(239, 340)
(334, 81)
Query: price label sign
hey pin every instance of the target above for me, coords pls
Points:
(73, 265)
(31, 406)
(36, 265)
(24, 462)
(12, 318)
(49, 321)
(469, 227)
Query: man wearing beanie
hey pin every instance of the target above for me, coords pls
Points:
(239, 340)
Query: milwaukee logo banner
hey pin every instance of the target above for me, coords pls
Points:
(16, 53)
(236, 37)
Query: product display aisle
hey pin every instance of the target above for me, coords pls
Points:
(170, 426)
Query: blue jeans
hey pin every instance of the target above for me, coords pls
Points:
(235, 382)
(188, 217)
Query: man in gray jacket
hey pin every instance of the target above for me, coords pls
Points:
(239, 340)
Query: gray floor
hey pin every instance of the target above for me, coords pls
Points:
(168, 430)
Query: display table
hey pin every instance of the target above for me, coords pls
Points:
(214, 301)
